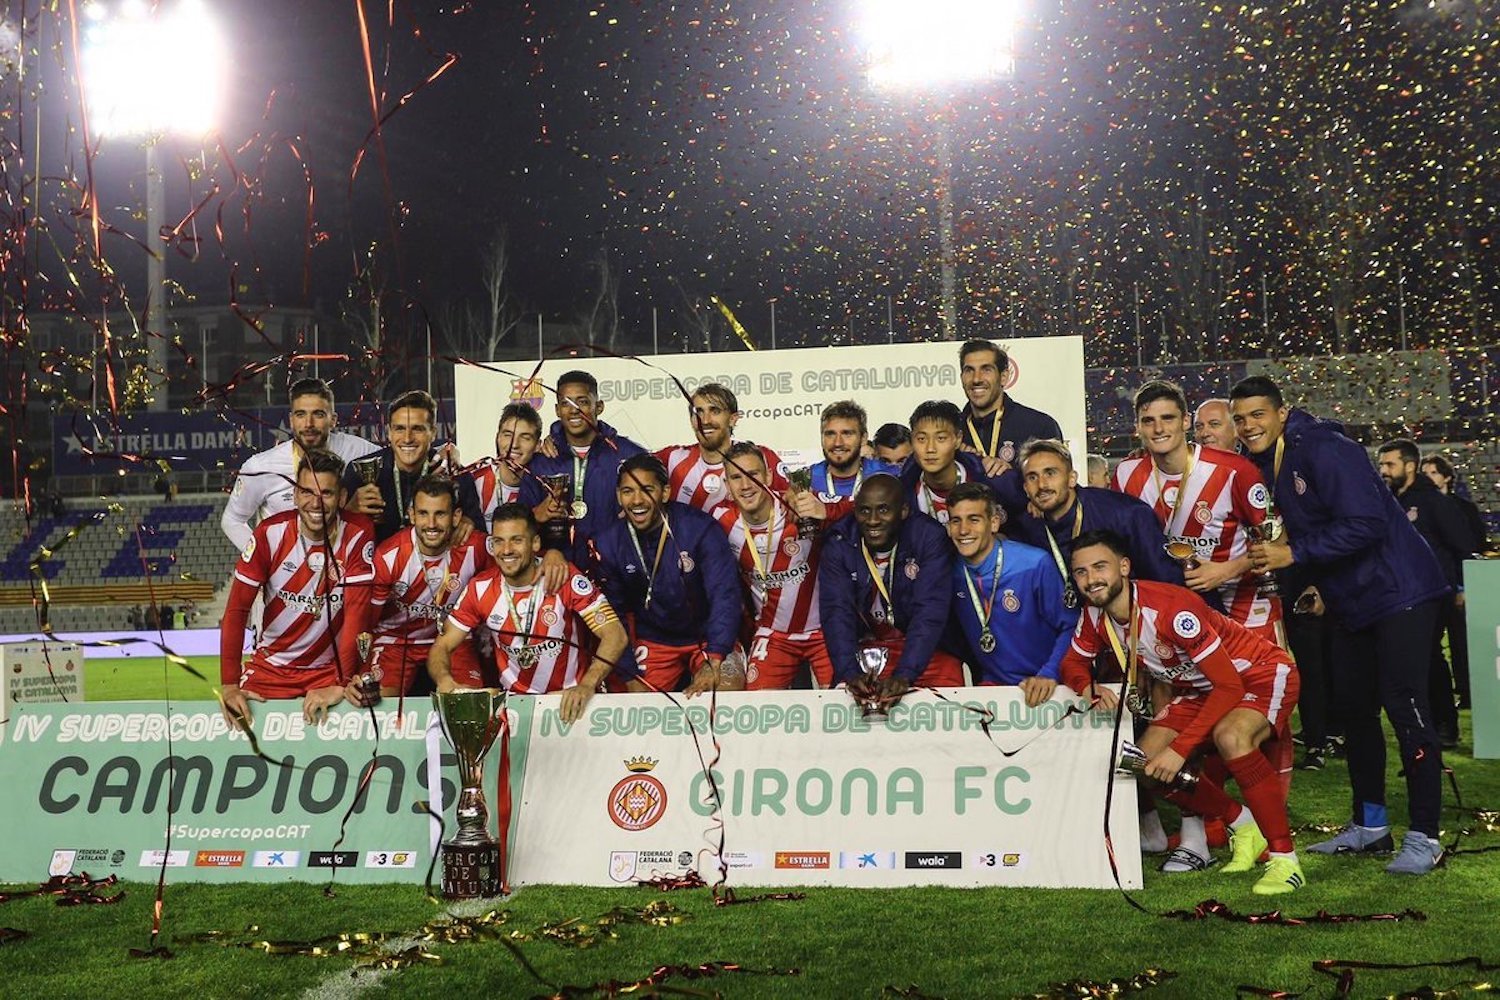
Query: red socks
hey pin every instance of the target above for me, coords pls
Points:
(1261, 786)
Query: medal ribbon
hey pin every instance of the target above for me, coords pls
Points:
(661, 546)
(1276, 465)
(984, 610)
(771, 543)
(580, 469)
(878, 578)
(1062, 567)
(1128, 663)
(396, 479)
(992, 450)
(538, 592)
(1182, 484)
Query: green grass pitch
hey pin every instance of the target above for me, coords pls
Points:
(846, 943)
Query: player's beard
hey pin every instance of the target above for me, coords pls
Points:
(1110, 593)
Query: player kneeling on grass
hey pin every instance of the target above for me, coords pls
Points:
(542, 637)
(312, 566)
(1228, 685)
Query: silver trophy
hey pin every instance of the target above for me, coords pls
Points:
(1269, 530)
(801, 481)
(558, 532)
(1133, 761)
(368, 681)
(472, 719)
(1183, 552)
(872, 661)
(368, 470)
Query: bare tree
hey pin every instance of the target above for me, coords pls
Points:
(478, 332)
(364, 312)
(599, 321)
(698, 316)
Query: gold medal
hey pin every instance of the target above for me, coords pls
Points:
(580, 510)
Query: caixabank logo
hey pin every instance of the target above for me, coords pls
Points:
(639, 799)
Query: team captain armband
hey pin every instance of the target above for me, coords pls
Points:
(599, 615)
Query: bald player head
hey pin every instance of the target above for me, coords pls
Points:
(879, 508)
(1213, 426)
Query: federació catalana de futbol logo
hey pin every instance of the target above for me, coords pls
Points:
(638, 800)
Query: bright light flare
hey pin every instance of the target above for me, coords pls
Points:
(940, 43)
(147, 74)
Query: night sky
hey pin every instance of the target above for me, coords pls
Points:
(1187, 150)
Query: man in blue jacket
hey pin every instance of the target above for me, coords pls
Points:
(884, 596)
(938, 464)
(845, 429)
(1345, 533)
(589, 453)
(1007, 599)
(1067, 510)
(666, 568)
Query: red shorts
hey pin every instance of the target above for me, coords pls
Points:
(775, 658)
(270, 681)
(1272, 692)
(399, 663)
(667, 668)
(943, 670)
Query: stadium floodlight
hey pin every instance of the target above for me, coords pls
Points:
(149, 70)
(938, 44)
(152, 69)
(939, 47)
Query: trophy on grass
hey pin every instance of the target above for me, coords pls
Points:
(1269, 530)
(801, 481)
(558, 532)
(471, 720)
(1133, 761)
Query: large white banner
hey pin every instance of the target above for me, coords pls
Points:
(781, 393)
(814, 795)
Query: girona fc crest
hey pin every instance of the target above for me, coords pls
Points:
(1203, 513)
(638, 800)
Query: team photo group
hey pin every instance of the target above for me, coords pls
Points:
(1247, 560)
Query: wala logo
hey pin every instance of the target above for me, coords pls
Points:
(638, 800)
(934, 859)
(803, 859)
(219, 859)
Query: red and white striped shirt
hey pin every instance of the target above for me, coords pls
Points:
(493, 491)
(1175, 632)
(1223, 495)
(413, 592)
(780, 569)
(303, 585)
(935, 504)
(554, 628)
(699, 483)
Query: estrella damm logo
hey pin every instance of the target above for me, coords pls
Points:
(638, 800)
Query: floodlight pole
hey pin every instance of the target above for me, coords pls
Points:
(945, 222)
(157, 333)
